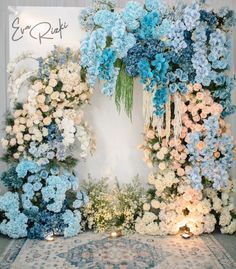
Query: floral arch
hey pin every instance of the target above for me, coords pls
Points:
(182, 56)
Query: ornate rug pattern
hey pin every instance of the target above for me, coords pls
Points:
(94, 251)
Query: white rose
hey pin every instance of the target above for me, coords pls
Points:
(8, 129)
(4, 143)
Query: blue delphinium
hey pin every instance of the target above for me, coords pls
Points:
(199, 59)
(159, 101)
(155, 5)
(132, 14)
(191, 16)
(145, 70)
(176, 36)
(122, 41)
(148, 28)
(220, 54)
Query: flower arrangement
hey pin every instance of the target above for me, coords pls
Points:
(40, 134)
(191, 186)
(167, 47)
(112, 207)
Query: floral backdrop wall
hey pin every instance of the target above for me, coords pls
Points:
(182, 56)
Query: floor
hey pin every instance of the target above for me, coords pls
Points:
(227, 241)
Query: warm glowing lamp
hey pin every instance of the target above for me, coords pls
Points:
(115, 234)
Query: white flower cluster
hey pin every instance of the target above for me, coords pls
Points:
(224, 206)
(52, 109)
(178, 205)
(18, 75)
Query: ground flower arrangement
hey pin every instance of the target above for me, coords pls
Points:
(115, 207)
(43, 196)
(183, 58)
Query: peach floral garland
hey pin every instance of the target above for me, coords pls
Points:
(174, 203)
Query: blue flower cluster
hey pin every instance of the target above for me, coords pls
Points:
(46, 192)
(72, 221)
(57, 58)
(15, 222)
(132, 15)
(11, 179)
(191, 16)
(44, 152)
(205, 162)
(178, 81)
(159, 100)
(193, 41)
(176, 36)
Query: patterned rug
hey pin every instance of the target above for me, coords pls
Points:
(93, 251)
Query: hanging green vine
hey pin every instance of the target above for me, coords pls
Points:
(124, 90)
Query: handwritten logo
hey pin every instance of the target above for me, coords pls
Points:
(40, 31)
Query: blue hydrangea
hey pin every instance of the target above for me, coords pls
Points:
(10, 178)
(15, 223)
(26, 166)
(72, 220)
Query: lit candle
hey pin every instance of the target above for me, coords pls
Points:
(115, 234)
(49, 237)
(186, 235)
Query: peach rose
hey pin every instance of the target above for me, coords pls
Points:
(162, 166)
(155, 204)
(45, 108)
(41, 99)
(12, 142)
(217, 154)
(156, 146)
(180, 172)
(150, 134)
(52, 82)
(17, 113)
(16, 155)
(196, 118)
(146, 207)
(164, 150)
(160, 155)
(48, 90)
(47, 121)
(200, 96)
(55, 96)
(197, 87)
(27, 137)
(200, 145)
